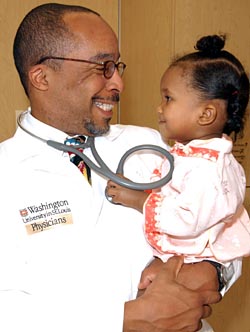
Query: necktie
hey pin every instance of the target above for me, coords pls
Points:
(75, 159)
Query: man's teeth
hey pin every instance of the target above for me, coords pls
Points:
(104, 107)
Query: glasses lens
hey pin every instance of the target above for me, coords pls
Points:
(120, 67)
(109, 69)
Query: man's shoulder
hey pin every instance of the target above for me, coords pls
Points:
(132, 128)
(134, 133)
(7, 158)
(6, 147)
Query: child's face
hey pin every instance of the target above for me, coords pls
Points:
(179, 110)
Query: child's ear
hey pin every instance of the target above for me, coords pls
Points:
(37, 77)
(207, 115)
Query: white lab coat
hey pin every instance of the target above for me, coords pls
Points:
(69, 259)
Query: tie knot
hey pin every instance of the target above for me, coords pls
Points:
(75, 140)
(75, 158)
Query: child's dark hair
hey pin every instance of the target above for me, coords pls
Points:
(217, 74)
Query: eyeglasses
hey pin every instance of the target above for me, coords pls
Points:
(108, 68)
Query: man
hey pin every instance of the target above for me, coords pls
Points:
(70, 259)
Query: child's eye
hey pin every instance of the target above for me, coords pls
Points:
(168, 98)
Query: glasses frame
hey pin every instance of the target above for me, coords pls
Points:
(120, 66)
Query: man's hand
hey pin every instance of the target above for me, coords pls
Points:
(167, 306)
(149, 274)
(195, 276)
(199, 276)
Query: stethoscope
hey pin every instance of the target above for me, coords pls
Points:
(101, 168)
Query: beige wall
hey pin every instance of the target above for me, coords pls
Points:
(152, 32)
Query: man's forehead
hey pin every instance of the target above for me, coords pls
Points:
(88, 23)
(93, 36)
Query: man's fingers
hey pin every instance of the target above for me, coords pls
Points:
(207, 311)
(210, 297)
(172, 267)
(188, 322)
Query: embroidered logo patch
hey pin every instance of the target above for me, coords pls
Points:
(45, 216)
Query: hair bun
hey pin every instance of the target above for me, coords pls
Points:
(211, 45)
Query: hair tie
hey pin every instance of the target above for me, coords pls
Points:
(235, 92)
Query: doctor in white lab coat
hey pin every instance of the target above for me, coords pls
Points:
(69, 259)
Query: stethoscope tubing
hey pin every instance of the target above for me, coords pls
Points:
(103, 169)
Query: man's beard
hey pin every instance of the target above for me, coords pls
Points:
(97, 131)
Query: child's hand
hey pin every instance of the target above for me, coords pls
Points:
(128, 197)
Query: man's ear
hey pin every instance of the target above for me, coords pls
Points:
(37, 77)
(207, 115)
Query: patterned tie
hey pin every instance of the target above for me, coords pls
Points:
(75, 159)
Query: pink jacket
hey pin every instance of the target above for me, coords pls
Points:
(200, 212)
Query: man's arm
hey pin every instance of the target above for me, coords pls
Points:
(168, 306)
(202, 275)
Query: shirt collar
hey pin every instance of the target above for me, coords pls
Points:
(41, 129)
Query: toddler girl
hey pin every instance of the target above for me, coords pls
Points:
(200, 212)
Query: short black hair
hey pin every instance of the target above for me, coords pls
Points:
(43, 32)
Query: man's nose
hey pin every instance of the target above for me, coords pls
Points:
(115, 82)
